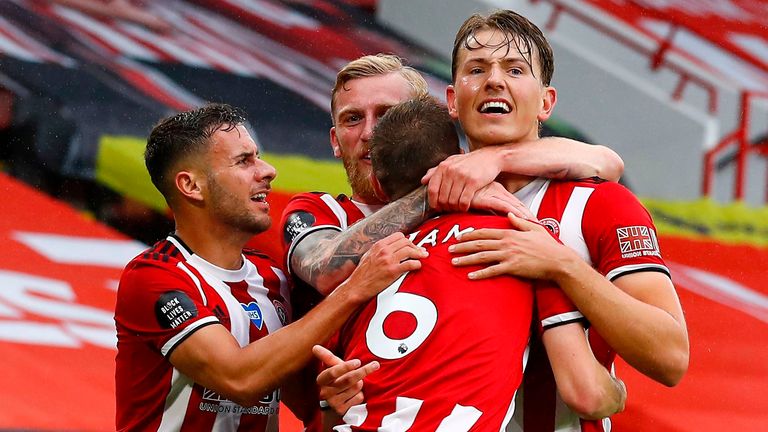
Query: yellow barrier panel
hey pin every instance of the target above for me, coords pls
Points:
(120, 166)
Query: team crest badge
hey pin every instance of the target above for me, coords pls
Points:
(281, 313)
(552, 225)
(254, 313)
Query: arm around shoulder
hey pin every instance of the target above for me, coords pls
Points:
(562, 158)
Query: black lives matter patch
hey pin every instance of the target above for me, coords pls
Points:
(173, 309)
(296, 223)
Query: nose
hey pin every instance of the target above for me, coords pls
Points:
(495, 78)
(266, 172)
(370, 123)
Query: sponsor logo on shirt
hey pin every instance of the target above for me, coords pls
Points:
(635, 241)
(254, 313)
(216, 403)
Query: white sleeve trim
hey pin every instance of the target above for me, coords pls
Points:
(561, 319)
(188, 330)
(301, 237)
(337, 210)
(613, 274)
(194, 278)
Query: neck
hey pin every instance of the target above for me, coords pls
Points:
(218, 246)
(514, 182)
(372, 201)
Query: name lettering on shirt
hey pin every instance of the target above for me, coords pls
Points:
(432, 237)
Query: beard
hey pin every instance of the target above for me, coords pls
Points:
(230, 210)
(359, 179)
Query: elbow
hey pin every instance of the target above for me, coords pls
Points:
(589, 403)
(676, 368)
(613, 165)
(241, 392)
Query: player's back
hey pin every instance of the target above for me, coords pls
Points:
(451, 349)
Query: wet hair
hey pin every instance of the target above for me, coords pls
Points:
(408, 140)
(186, 134)
(376, 65)
(518, 31)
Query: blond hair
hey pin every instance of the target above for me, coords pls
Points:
(375, 65)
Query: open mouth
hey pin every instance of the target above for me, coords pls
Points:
(260, 197)
(495, 107)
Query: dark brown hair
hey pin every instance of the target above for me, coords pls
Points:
(182, 135)
(408, 140)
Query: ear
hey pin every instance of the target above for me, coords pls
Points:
(450, 99)
(549, 99)
(190, 185)
(335, 144)
(378, 190)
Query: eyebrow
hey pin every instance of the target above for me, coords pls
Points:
(511, 58)
(246, 154)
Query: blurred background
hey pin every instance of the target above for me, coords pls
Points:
(678, 88)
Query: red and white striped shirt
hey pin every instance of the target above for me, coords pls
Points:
(166, 294)
(305, 214)
(610, 229)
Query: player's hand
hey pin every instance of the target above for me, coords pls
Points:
(496, 198)
(527, 250)
(387, 259)
(341, 383)
(452, 184)
(622, 388)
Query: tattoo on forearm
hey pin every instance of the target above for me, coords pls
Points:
(331, 254)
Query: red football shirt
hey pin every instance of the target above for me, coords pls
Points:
(166, 294)
(451, 350)
(610, 229)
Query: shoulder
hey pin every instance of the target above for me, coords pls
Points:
(163, 254)
(314, 198)
(154, 265)
(596, 194)
(259, 258)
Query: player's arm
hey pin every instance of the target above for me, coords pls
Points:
(582, 382)
(453, 183)
(654, 341)
(211, 356)
(324, 258)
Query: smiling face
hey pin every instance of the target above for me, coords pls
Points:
(358, 106)
(238, 181)
(497, 94)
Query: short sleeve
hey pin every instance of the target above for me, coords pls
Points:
(161, 304)
(305, 213)
(553, 307)
(620, 234)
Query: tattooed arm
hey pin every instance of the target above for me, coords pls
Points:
(325, 258)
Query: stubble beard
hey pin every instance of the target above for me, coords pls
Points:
(231, 212)
(359, 180)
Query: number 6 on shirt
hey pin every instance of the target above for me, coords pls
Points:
(390, 301)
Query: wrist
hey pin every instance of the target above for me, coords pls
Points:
(568, 267)
(348, 295)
